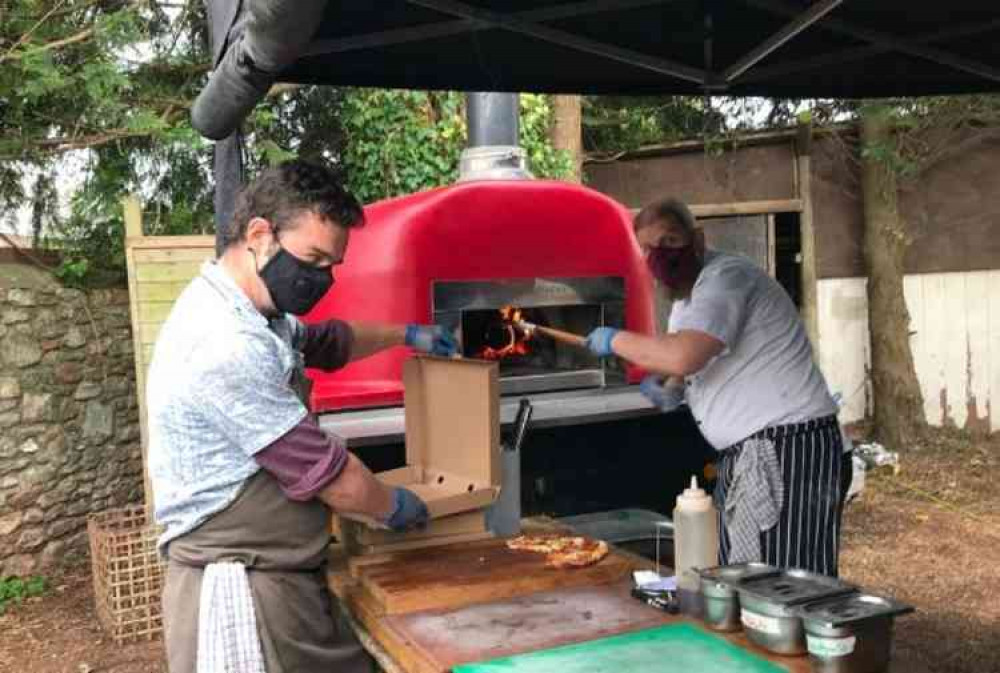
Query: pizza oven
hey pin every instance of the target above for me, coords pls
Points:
(474, 256)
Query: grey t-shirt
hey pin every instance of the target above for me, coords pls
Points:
(766, 375)
(219, 390)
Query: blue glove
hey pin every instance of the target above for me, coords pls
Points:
(664, 396)
(408, 511)
(432, 339)
(599, 341)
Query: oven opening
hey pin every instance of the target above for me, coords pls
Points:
(537, 359)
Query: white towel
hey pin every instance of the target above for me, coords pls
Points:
(227, 626)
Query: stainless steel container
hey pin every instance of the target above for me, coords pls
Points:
(772, 626)
(850, 634)
(721, 603)
(767, 606)
(721, 606)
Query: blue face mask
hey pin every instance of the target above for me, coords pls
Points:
(295, 286)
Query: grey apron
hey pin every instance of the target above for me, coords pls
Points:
(283, 545)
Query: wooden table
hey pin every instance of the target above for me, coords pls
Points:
(432, 641)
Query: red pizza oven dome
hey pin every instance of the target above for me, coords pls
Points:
(474, 231)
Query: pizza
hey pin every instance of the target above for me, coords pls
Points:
(562, 551)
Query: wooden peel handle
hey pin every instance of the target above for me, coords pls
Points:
(561, 336)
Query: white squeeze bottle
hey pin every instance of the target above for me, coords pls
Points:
(696, 543)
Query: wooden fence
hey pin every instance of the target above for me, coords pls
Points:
(159, 267)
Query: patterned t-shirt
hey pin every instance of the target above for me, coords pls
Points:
(219, 390)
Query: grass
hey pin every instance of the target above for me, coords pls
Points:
(14, 590)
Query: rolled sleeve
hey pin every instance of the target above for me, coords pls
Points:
(304, 460)
(327, 345)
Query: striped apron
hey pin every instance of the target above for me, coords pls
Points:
(816, 474)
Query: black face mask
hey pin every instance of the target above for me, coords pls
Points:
(295, 286)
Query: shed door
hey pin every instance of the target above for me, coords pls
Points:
(748, 235)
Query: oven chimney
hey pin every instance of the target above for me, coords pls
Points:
(494, 151)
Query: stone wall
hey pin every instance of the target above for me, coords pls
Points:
(69, 420)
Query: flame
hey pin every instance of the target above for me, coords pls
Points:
(517, 343)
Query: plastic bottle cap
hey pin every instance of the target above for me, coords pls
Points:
(694, 497)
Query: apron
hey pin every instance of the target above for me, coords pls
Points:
(283, 545)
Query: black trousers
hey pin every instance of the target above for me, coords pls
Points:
(817, 475)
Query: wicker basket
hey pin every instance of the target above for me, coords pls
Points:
(128, 574)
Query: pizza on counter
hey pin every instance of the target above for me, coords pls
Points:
(562, 551)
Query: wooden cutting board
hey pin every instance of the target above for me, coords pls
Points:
(446, 638)
(456, 576)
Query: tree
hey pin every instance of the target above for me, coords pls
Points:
(107, 85)
(405, 141)
(898, 408)
(567, 132)
(899, 141)
(616, 124)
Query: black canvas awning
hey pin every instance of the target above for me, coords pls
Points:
(787, 48)
(776, 48)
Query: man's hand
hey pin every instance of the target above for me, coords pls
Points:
(599, 341)
(665, 395)
(408, 511)
(432, 339)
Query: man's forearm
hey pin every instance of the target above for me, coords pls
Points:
(357, 491)
(370, 338)
(673, 355)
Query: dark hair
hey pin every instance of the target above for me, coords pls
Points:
(661, 210)
(281, 193)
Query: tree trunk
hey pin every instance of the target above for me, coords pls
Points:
(898, 403)
(566, 132)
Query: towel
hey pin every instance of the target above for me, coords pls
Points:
(754, 498)
(227, 626)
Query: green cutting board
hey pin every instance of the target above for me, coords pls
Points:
(677, 647)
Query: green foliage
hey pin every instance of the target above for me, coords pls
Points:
(399, 142)
(99, 94)
(614, 124)
(96, 94)
(14, 590)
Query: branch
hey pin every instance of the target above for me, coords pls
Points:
(24, 38)
(65, 144)
(82, 36)
(960, 148)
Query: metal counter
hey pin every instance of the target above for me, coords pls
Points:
(371, 427)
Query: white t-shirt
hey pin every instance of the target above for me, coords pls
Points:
(219, 390)
(766, 375)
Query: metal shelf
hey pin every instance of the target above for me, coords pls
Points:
(371, 427)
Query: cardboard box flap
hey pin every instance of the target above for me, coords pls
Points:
(453, 420)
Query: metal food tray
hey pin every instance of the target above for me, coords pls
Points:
(733, 575)
(846, 609)
(794, 587)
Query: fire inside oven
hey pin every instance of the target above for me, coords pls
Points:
(488, 317)
(498, 334)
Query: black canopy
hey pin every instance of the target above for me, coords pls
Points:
(776, 48)
(783, 48)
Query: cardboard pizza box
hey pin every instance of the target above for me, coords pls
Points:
(452, 441)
